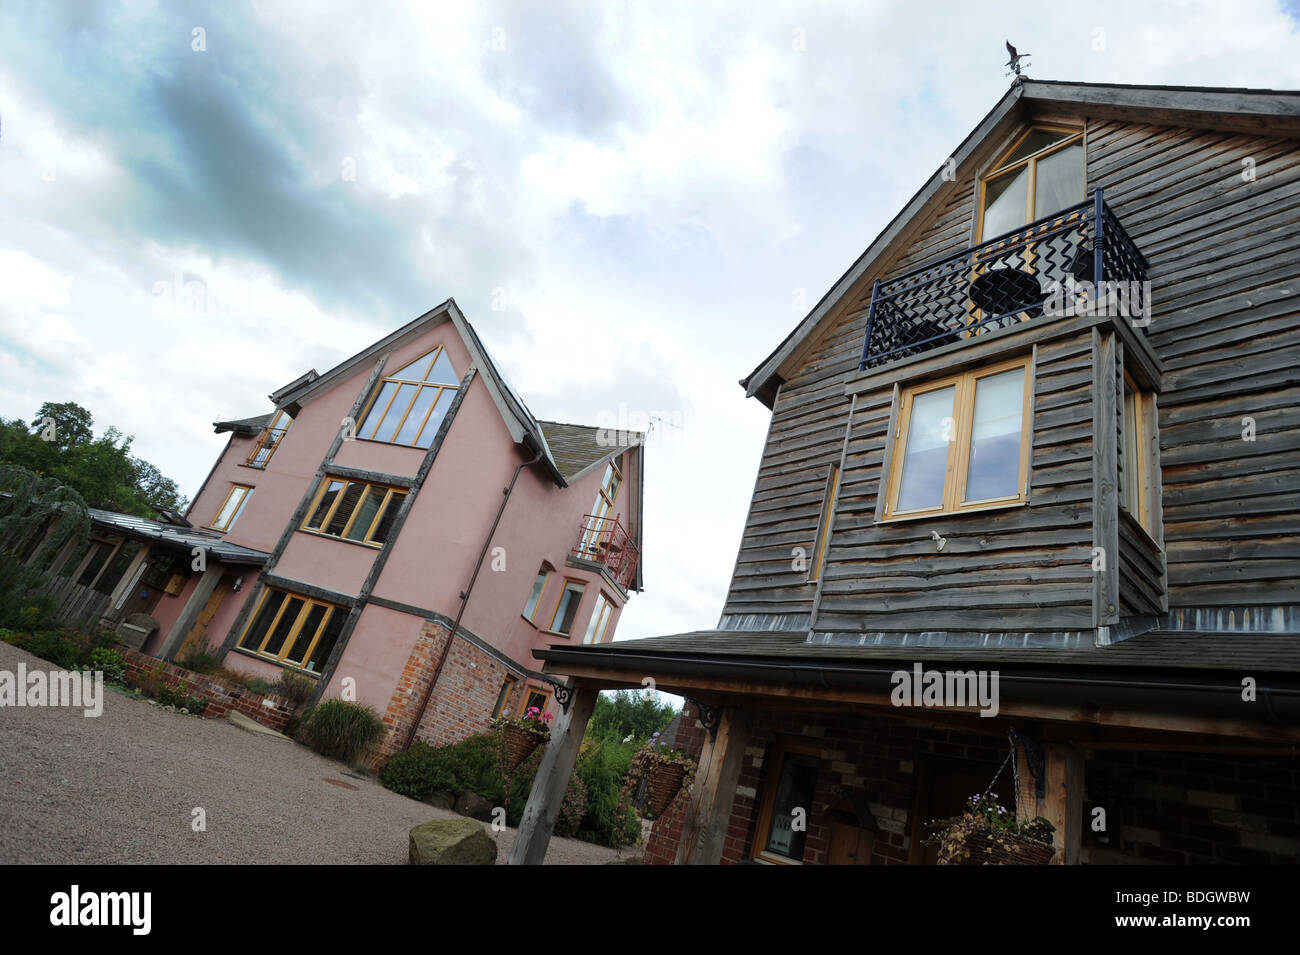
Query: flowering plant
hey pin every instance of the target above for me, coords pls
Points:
(983, 817)
(533, 720)
(659, 765)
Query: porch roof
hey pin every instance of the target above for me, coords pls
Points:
(178, 538)
(1160, 650)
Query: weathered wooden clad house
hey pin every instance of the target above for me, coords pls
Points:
(1046, 430)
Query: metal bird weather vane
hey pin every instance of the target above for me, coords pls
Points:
(1014, 62)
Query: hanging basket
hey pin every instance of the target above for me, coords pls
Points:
(519, 744)
(992, 847)
(663, 782)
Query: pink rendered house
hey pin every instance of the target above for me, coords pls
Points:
(405, 493)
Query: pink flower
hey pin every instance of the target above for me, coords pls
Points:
(548, 717)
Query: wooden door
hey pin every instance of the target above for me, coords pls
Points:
(194, 639)
(850, 844)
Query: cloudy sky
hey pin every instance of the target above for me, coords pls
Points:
(633, 202)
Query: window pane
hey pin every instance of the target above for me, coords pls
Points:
(1004, 203)
(333, 627)
(392, 421)
(326, 501)
(443, 373)
(415, 371)
(385, 525)
(568, 608)
(796, 790)
(314, 617)
(284, 625)
(1038, 139)
(415, 418)
(376, 412)
(1131, 466)
(102, 551)
(925, 460)
(366, 513)
(1058, 181)
(994, 470)
(596, 628)
(229, 510)
(350, 498)
(535, 595)
(253, 639)
(442, 401)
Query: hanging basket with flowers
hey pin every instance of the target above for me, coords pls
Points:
(986, 833)
(520, 735)
(667, 773)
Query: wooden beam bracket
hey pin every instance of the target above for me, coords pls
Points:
(710, 716)
(563, 694)
(1035, 757)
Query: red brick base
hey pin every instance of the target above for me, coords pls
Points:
(222, 695)
(462, 702)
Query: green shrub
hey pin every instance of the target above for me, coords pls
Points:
(200, 659)
(295, 687)
(602, 765)
(572, 807)
(255, 684)
(419, 772)
(110, 662)
(342, 730)
(63, 648)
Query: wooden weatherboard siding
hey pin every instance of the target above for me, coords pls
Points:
(1225, 280)
(1226, 331)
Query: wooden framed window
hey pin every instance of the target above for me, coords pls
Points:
(599, 622)
(599, 530)
(535, 697)
(786, 808)
(1139, 422)
(503, 697)
(824, 524)
(535, 595)
(292, 629)
(270, 440)
(1041, 173)
(354, 510)
(232, 507)
(409, 404)
(566, 608)
(962, 443)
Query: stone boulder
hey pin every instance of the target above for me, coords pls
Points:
(475, 806)
(452, 842)
(441, 801)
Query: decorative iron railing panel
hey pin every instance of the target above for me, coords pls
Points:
(1071, 261)
(605, 541)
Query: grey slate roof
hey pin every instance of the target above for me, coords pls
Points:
(184, 538)
(575, 447)
(1162, 650)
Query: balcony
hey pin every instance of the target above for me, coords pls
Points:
(1078, 258)
(606, 543)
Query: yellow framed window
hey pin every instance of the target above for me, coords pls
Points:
(599, 623)
(601, 530)
(535, 595)
(354, 510)
(293, 630)
(1137, 468)
(410, 403)
(270, 440)
(788, 796)
(1041, 173)
(535, 697)
(566, 608)
(231, 507)
(962, 443)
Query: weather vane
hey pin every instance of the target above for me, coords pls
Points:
(1014, 62)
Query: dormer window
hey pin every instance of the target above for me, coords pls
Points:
(1040, 174)
(411, 402)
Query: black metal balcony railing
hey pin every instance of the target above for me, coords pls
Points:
(605, 541)
(1016, 277)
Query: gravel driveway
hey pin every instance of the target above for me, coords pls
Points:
(122, 787)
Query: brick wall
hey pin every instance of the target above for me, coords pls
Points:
(463, 701)
(1184, 808)
(661, 846)
(222, 695)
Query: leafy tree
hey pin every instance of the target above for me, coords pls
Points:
(60, 444)
(629, 713)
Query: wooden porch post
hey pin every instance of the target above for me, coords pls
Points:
(543, 806)
(704, 830)
(130, 577)
(193, 607)
(1062, 801)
